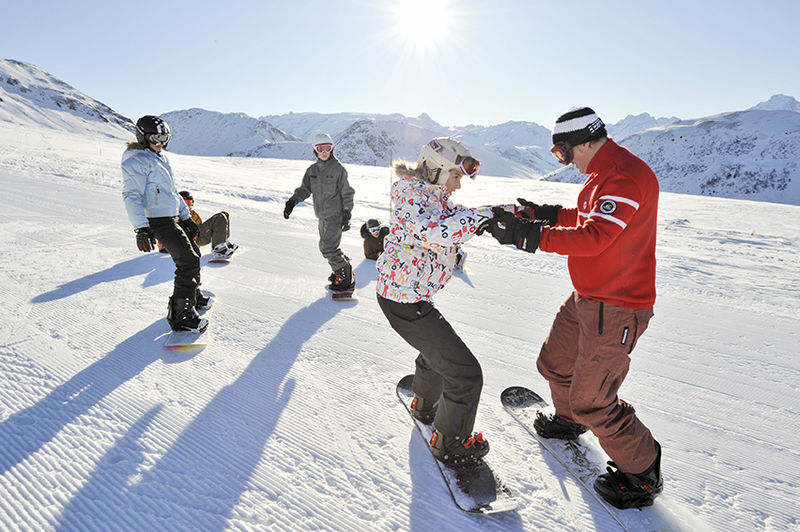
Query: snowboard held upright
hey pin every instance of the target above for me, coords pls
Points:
(477, 489)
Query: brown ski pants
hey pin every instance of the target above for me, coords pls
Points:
(584, 359)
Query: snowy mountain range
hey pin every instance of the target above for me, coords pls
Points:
(751, 154)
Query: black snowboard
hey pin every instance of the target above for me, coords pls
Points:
(585, 461)
(482, 492)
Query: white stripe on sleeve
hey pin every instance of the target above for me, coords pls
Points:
(620, 199)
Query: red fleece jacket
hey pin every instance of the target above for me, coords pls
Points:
(610, 237)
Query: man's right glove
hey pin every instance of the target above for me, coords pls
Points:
(510, 229)
(290, 203)
(145, 240)
(544, 213)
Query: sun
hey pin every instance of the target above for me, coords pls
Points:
(423, 25)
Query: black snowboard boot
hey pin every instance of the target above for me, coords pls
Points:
(420, 412)
(458, 453)
(342, 279)
(182, 316)
(201, 301)
(628, 490)
(552, 426)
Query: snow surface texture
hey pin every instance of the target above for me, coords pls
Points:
(288, 420)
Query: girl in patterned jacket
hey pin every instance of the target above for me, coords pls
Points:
(418, 259)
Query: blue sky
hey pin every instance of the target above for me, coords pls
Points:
(467, 62)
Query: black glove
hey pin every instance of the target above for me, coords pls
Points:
(509, 229)
(544, 213)
(346, 220)
(290, 203)
(145, 240)
(189, 227)
(502, 226)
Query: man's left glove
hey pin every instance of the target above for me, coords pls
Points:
(544, 213)
(145, 240)
(346, 220)
(189, 227)
(509, 229)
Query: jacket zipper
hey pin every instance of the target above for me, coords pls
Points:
(158, 191)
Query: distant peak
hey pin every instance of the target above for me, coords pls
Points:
(778, 102)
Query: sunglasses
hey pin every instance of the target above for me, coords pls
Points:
(323, 148)
(562, 152)
(158, 138)
(469, 165)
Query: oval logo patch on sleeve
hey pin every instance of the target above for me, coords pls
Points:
(608, 206)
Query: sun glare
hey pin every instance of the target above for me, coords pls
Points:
(423, 25)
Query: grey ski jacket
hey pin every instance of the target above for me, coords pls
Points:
(327, 182)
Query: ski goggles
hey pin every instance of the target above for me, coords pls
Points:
(375, 230)
(323, 148)
(562, 152)
(467, 164)
(158, 138)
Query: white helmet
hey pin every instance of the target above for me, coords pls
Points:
(321, 138)
(441, 155)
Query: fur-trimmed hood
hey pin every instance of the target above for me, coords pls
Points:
(404, 168)
(136, 145)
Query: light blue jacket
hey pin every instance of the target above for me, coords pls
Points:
(148, 187)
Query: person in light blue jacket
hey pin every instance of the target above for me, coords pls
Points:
(157, 211)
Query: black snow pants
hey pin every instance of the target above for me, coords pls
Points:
(184, 252)
(446, 370)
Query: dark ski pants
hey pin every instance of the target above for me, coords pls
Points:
(184, 252)
(585, 358)
(215, 230)
(446, 370)
(330, 238)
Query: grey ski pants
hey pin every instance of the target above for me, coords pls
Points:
(330, 237)
(446, 370)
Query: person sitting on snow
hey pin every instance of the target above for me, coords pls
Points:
(215, 231)
(373, 234)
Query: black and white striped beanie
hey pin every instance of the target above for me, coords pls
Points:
(578, 125)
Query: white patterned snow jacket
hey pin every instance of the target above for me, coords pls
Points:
(420, 250)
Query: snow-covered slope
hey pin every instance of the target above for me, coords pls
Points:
(289, 421)
(746, 154)
(31, 96)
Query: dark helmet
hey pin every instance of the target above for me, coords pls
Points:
(373, 224)
(187, 196)
(152, 130)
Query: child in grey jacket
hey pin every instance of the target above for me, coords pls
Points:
(326, 181)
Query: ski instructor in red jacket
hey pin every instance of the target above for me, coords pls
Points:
(610, 239)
